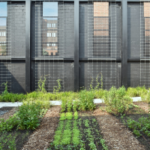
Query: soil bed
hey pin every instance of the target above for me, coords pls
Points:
(135, 114)
(14, 139)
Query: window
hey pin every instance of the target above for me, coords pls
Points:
(147, 29)
(53, 25)
(48, 25)
(53, 34)
(49, 35)
(101, 29)
(3, 21)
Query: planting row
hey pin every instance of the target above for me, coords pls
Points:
(75, 133)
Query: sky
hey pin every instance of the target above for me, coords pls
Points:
(2, 21)
(3, 9)
(50, 8)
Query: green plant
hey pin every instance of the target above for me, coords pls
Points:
(102, 141)
(6, 88)
(69, 105)
(92, 146)
(41, 84)
(57, 88)
(75, 115)
(116, 101)
(69, 115)
(86, 100)
(9, 124)
(62, 116)
(29, 115)
(136, 132)
(75, 105)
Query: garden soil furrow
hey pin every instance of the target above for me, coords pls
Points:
(44, 134)
(116, 135)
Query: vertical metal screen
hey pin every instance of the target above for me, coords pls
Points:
(103, 44)
(145, 44)
(53, 43)
(12, 46)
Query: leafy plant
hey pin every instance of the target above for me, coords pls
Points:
(75, 115)
(69, 105)
(102, 141)
(86, 100)
(69, 115)
(41, 84)
(116, 101)
(58, 87)
(62, 116)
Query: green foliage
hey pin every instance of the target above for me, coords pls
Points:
(138, 91)
(8, 141)
(27, 117)
(102, 141)
(57, 88)
(86, 100)
(9, 124)
(116, 101)
(6, 88)
(136, 132)
(69, 115)
(69, 105)
(62, 116)
(11, 97)
(75, 115)
(41, 84)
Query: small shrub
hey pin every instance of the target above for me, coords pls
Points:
(116, 101)
(29, 115)
(86, 100)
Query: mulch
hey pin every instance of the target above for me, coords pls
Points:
(43, 135)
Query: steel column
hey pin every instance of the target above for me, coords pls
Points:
(124, 44)
(76, 45)
(28, 22)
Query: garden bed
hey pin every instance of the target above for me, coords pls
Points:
(94, 126)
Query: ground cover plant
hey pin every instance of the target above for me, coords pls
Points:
(77, 133)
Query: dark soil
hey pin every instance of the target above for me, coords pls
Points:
(144, 140)
(20, 136)
(96, 133)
